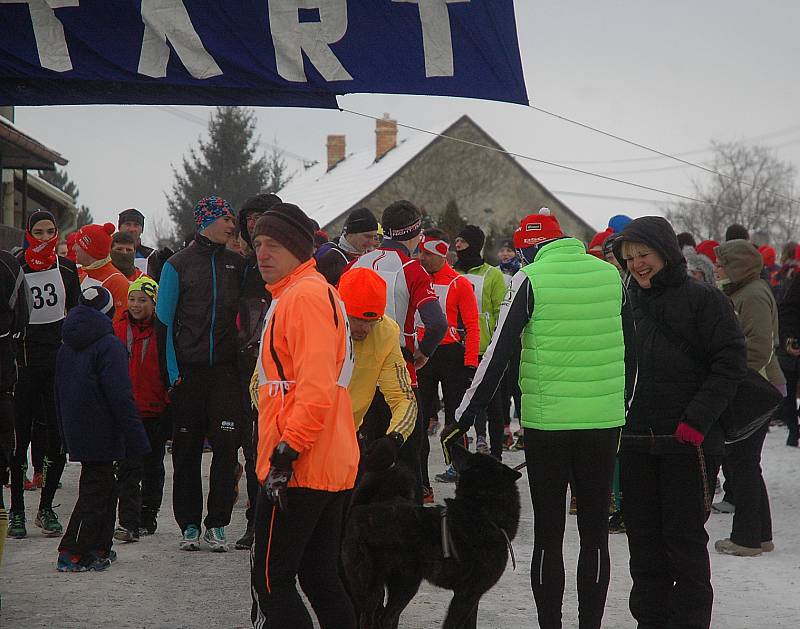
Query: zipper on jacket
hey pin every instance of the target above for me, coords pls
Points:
(213, 309)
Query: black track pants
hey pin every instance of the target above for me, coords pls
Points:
(585, 460)
(205, 404)
(752, 520)
(34, 400)
(300, 543)
(91, 526)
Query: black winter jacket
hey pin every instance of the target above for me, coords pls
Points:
(672, 385)
(253, 304)
(38, 344)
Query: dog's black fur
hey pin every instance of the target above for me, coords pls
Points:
(390, 543)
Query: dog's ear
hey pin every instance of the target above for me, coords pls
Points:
(461, 457)
(511, 474)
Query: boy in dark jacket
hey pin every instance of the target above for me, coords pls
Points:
(99, 424)
(139, 506)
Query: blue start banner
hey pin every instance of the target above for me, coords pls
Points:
(296, 53)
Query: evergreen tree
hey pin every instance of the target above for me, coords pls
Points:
(277, 177)
(451, 220)
(61, 180)
(227, 164)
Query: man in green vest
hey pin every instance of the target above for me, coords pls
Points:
(490, 289)
(567, 305)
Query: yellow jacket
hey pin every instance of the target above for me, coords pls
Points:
(379, 363)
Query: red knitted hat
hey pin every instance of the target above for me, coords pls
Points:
(706, 248)
(599, 239)
(96, 240)
(536, 228)
(768, 255)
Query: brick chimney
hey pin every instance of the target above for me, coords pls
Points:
(336, 150)
(385, 136)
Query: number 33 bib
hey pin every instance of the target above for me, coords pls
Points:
(48, 296)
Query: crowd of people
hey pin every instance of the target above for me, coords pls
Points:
(619, 359)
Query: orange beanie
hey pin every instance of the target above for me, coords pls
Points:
(364, 293)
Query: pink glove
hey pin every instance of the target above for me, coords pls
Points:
(687, 434)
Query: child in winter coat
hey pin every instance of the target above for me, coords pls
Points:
(138, 506)
(99, 424)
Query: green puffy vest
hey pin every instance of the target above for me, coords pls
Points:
(572, 373)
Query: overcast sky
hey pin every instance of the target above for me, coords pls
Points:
(672, 75)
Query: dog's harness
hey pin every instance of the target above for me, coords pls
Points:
(448, 547)
(508, 544)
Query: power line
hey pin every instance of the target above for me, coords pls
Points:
(662, 153)
(543, 161)
(609, 197)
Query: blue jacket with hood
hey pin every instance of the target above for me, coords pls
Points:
(97, 416)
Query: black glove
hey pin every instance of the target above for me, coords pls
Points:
(469, 374)
(280, 473)
(451, 434)
(382, 454)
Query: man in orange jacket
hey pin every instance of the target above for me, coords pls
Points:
(307, 448)
(456, 359)
(93, 253)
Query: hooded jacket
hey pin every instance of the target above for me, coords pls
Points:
(96, 413)
(672, 385)
(754, 304)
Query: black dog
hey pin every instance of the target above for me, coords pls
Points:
(390, 543)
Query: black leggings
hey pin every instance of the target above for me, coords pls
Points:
(302, 542)
(34, 397)
(585, 459)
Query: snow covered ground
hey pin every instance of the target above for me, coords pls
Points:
(153, 584)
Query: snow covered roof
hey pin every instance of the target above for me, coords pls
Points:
(326, 195)
(20, 150)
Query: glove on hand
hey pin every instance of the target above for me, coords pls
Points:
(688, 434)
(469, 374)
(451, 434)
(280, 473)
(382, 453)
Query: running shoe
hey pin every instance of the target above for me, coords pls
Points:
(433, 426)
(245, 542)
(727, 547)
(16, 525)
(481, 446)
(448, 476)
(519, 444)
(97, 563)
(615, 523)
(573, 506)
(121, 534)
(215, 538)
(68, 562)
(427, 495)
(191, 538)
(47, 520)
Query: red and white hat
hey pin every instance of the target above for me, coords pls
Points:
(536, 228)
(434, 245)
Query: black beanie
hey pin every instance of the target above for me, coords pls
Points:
(288, 224)
(474, 236)
(360, 221)
(40, 215)
(131, 215)
(402, 221)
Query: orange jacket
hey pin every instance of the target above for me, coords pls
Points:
(461, 310)
(109, 277)
(306, 356)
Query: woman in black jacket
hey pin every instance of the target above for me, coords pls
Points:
(691, 357)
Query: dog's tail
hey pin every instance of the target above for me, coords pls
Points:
(396, 482)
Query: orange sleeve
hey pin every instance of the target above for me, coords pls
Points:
(118, 285)
(313, 341)
(468, 312)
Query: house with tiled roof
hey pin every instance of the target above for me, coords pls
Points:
(489, 187)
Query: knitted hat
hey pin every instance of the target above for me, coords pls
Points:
(99, 298)
(599, 239)
(363, 292)
(147, 285)
(736, 232)
(95, 240)
(402, 221)
(288, 224)
(131, 215)
(700, 263)
(209, 209)
(706, 248)
(768, 255)
(435, 245)
(617, 223)
(474, 236)
(536, 228)
(360, 221)
(40, 215)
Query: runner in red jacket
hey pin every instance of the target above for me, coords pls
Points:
(139, 506)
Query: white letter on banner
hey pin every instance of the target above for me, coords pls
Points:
(48, 31)
(292, 38)
(437, 40)
(169, 19)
